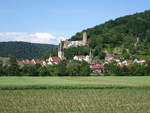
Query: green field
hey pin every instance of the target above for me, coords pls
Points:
(75, 94)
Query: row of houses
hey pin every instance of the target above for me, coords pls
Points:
(95, 65)
(123, 63)
(30, 62)
(49, 61)
(56, 60)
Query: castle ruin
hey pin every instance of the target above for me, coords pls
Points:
(69, 44)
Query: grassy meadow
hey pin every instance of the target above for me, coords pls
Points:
(75, 94)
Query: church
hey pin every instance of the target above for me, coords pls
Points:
(57, 59)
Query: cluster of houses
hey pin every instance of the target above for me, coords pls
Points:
(49, 61)
(96, 65)
(123, 63)
(57, 59)
(30, 62)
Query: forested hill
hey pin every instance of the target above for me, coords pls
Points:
(23, 50)
(128, 35)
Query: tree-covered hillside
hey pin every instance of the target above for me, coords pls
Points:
(23, 50)
(127, 36)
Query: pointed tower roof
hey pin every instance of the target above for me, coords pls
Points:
(90, 55)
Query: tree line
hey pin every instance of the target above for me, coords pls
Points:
(133, 70)
(72, 68)
(24, 50)
(65, 68)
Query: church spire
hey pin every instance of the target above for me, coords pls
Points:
(90, 57)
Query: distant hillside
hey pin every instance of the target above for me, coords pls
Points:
(23, 50)
(125, 36)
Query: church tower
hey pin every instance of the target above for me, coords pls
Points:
(61, 51)
(90, 57)
(84, 38)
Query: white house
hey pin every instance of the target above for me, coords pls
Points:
(139, 61)
(82, 58)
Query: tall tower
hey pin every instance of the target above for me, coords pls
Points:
(61, 50)
(84, 38)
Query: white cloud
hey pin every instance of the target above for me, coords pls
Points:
(47, 38)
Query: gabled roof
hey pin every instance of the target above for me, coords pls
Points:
(23, 62)
(27, 62)
(37, 61)
(55, 59)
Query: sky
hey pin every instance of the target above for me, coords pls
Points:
(49, 21)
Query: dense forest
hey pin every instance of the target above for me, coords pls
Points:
(23, 50)
(128, 36)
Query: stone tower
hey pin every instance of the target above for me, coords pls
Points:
(61, 51)
(84, 38)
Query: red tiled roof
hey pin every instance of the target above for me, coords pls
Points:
(56, 59)
(23, 62)
(81, 57)
(37, 61)
(27, 62)
(96, 67)
(20, 62)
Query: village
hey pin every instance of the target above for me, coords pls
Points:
(97, 65)
(75, 56)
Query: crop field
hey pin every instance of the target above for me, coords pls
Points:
(75, 94)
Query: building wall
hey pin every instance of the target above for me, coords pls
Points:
(83, 42)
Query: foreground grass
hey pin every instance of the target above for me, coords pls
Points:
(72, 82)
(75, 101)
(74, 94)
